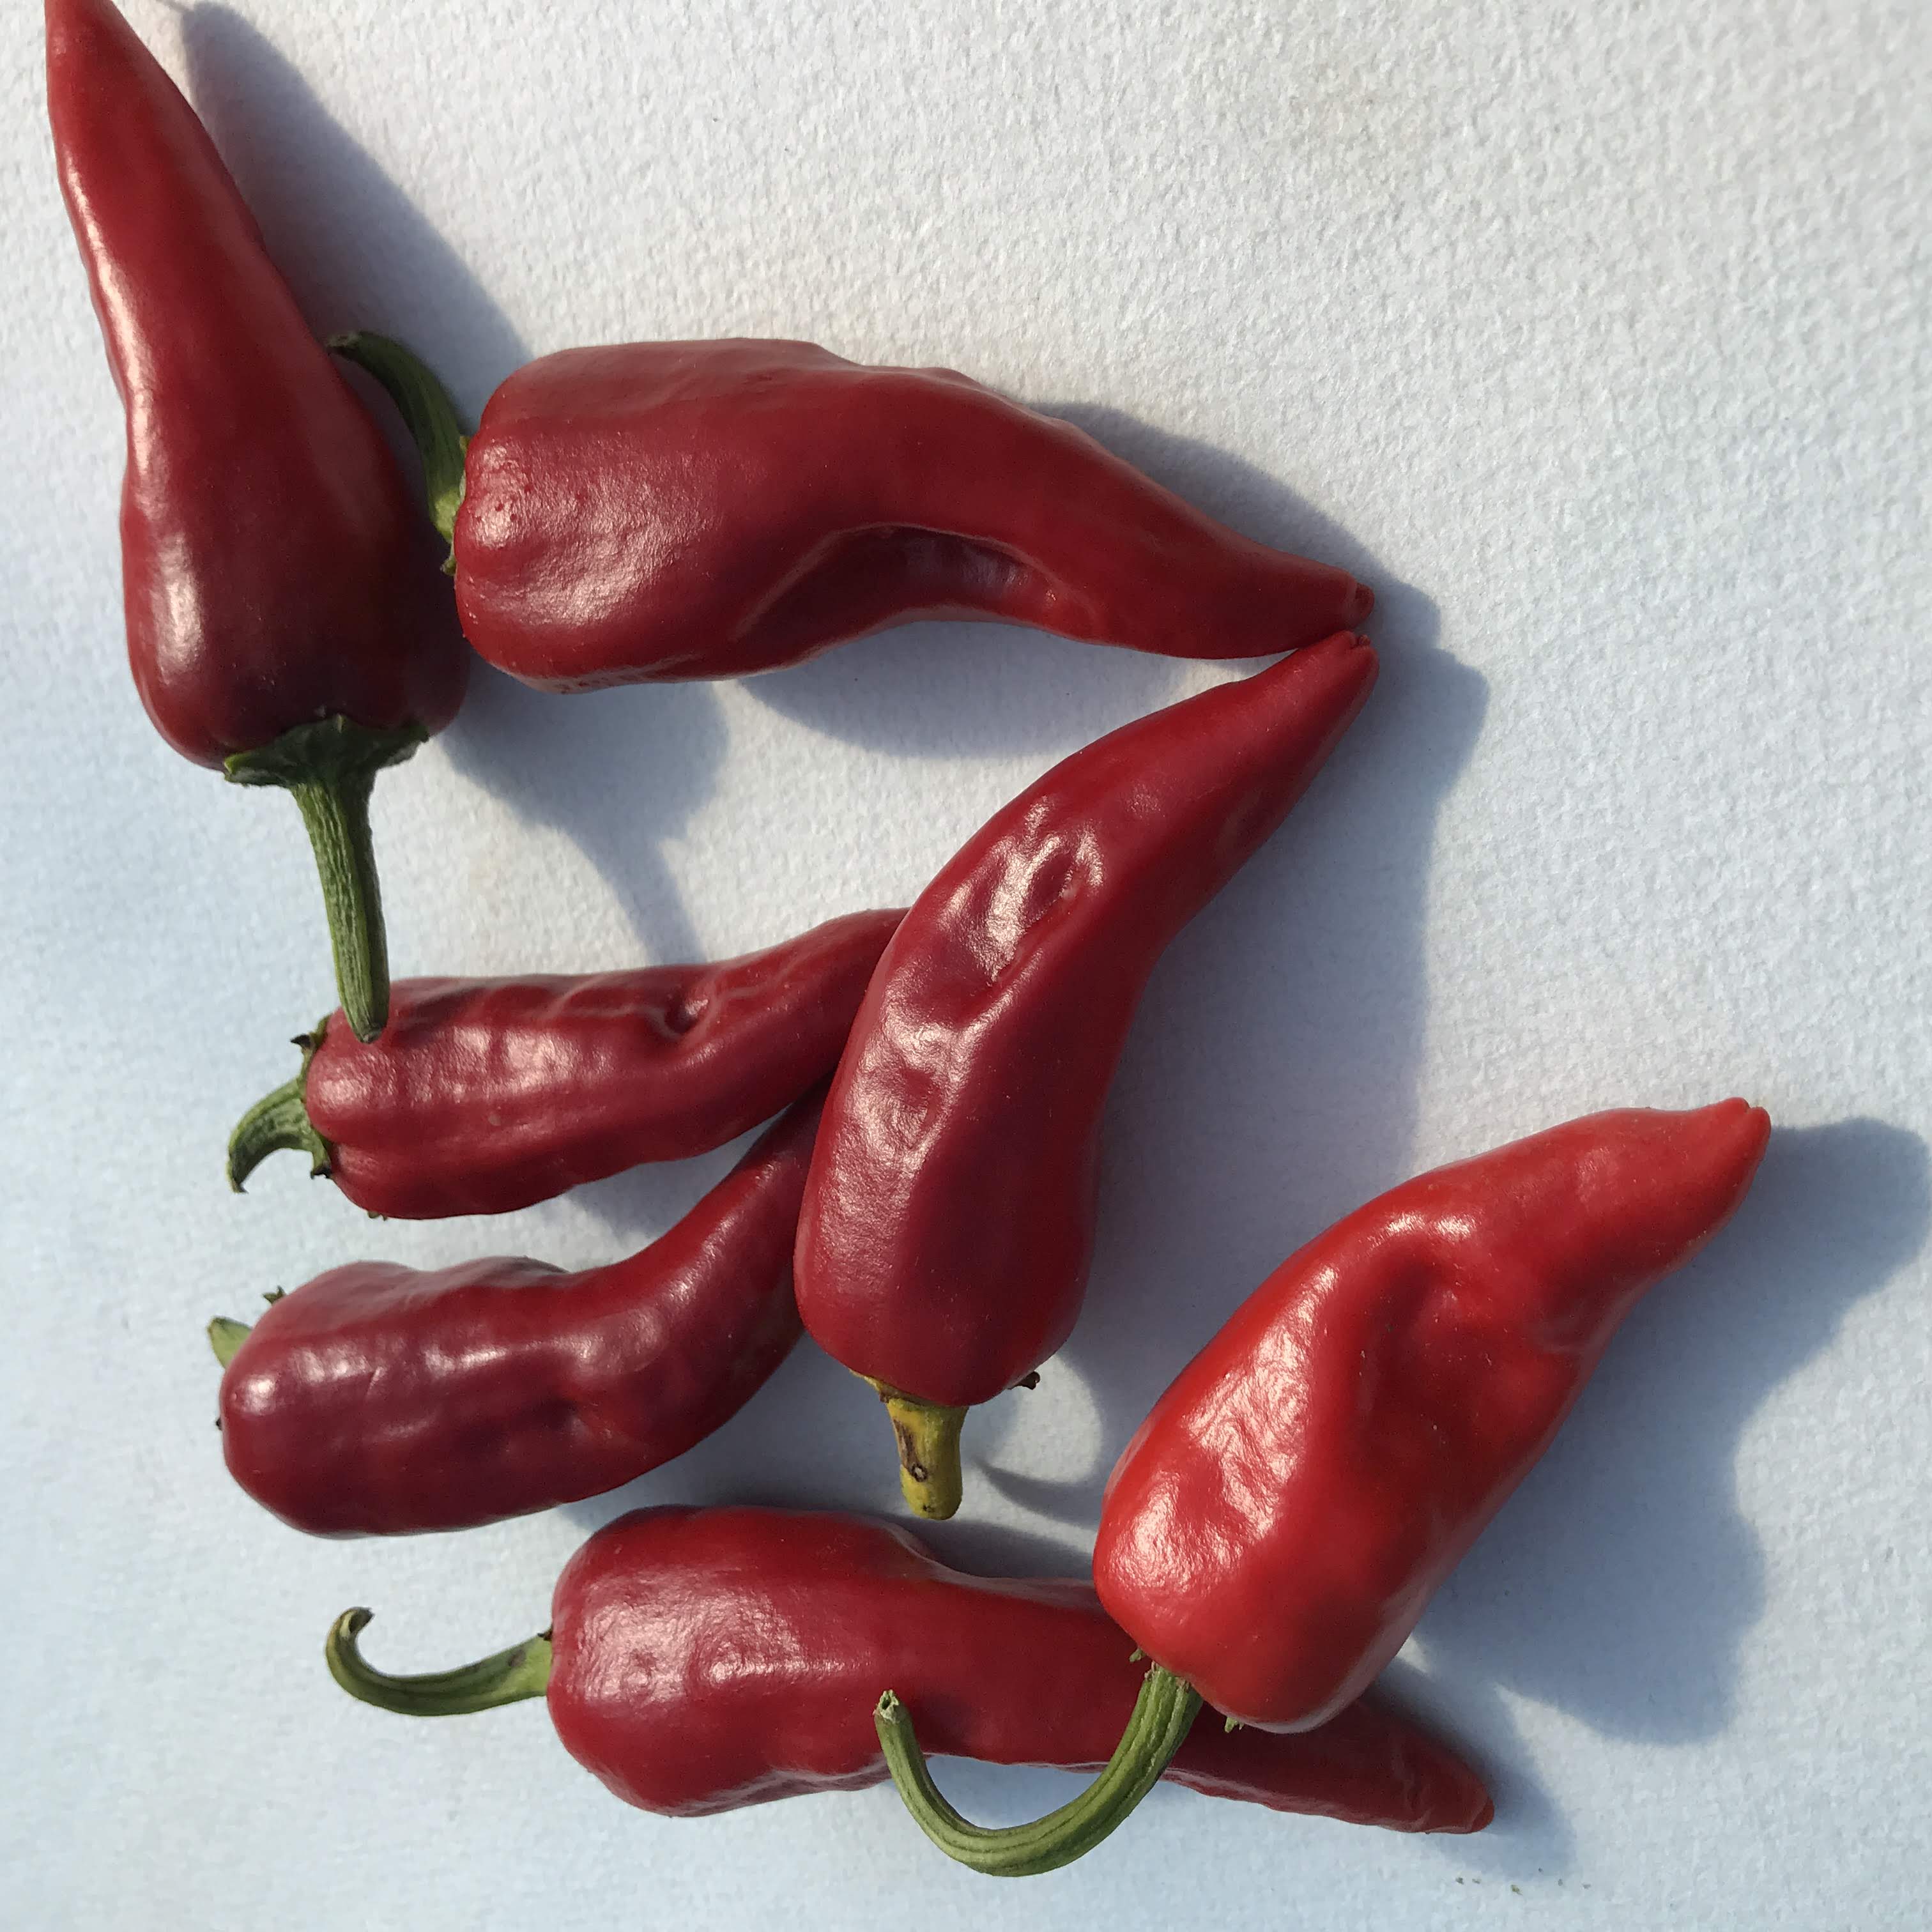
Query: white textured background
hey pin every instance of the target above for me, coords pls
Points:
(1596, 338)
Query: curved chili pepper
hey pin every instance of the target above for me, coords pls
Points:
(1272, 1533)
(708, 509)
(948, 1223)
(701, 1660)
(284, 624)
(486, 1095)
(378, 1400)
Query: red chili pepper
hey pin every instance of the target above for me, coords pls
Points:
(379, 1401)
(948, 1222)
(284, 620)
(1272, 1533)
(486, 1095)
(703, 1660)
(708, 509)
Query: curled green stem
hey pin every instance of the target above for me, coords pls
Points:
(277, 1120)
(508, 1677)
(428, 415)
(328, 768)
(1161, 1716)
(927, 1434)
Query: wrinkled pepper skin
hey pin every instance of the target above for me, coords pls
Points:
(1273, 1532)
(710, 1659)
(483, 1096)
(378, 1400)
(948, 1224)
(274, 572)
(708, 509)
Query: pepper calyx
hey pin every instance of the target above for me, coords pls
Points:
(225, 1337)
(280, 1120)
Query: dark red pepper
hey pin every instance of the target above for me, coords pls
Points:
(1270, 1536)
(378, 1400)
(486, 1095)
(948, 1223)
(708, 509)
(703, 1660)
(285, 623)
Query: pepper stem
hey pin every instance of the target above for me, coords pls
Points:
(226, 1337)
(427, 414)
(1162, 1714)
(508, 1677)
(329, 768)
(928, 1434)
(277, 1121)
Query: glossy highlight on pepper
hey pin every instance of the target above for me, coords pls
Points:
(379, 1400)
(484, 1095)
(665, 510)
(1274, 1530)
(285, 623)
(702, 1659)
(948, 1224)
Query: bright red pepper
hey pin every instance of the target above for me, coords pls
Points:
(708, 509)
(285, 621)
(948, 1223)
(1271, 1535)
(703, 1660)
(486, 1095)
(378, 1400)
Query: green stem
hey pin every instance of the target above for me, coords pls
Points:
(428, 415)
(277, 1120)
(1162, 1715)
(226, 1337)
(329, 768)
(928, 1436)
(508, 1677)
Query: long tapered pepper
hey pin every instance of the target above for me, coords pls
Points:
(701, 1660)
(285, 623)
(1273, 1532)
(708, 509)
(378, 1400)
(948, 1222)
(486, 1095)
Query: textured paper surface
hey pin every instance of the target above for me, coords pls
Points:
(1596, 339)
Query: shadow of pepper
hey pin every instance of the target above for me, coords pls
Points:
(1619, 1582)
(1315, 1057)
(1255, 1102)
(617, 771)
(1253, 1107)
(358, 253)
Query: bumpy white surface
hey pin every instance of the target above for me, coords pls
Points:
(1596, 338)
